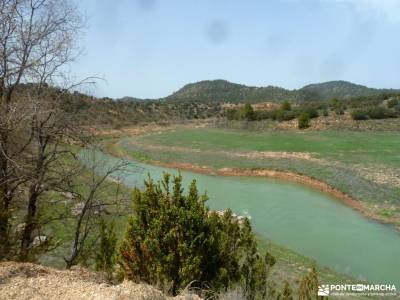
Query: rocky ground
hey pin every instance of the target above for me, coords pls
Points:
(30, 281)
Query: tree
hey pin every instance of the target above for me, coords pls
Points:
(106, 254)
(303, 120)
(359, 114)
(393, 102)
(269, 260)
(231, 114)
(287, 293)
(173, 240)
(91, 204)
(248, 112)
(37, 39)
(286, 106)
(308, 288)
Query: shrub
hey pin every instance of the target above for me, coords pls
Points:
(339, 111)
(105, 258)
(286, 106)
(311, 111)
(287, 292)
(303, 121)
(173, 239)
(393, 102)
(373, 113)
(232, 114)
(359, 115)
(248, 112)
(325, 112)
(308, 288)
(380, 113)
(283, 115)
(262, 114)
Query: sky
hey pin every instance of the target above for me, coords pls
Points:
(151, 48)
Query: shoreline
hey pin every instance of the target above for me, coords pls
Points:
(308, 181)
(285, 176)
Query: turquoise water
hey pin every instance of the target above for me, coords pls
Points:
(297, 217)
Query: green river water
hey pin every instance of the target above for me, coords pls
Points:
(300, 218)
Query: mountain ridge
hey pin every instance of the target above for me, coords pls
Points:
(220, 91)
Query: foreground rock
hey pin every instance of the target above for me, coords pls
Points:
(29, 281)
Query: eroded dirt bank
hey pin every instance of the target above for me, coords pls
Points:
(23, 281)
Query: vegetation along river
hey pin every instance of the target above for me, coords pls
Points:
(297, 217)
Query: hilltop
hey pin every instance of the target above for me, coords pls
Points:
(220, 91)
(225, 91)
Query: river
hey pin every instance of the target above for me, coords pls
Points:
(302, 219)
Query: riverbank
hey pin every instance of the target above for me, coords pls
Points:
(296, 217)
(370, 191)
(286, 176)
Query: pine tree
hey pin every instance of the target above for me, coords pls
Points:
(287, 292)
(106, 254)
(303, 120)
(248, 112)
(173, 239)
(308, 288)
(286, 106)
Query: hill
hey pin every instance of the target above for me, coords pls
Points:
(224, 91)
(338, 89)
(221, 91)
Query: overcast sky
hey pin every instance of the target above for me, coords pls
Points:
(151, 48)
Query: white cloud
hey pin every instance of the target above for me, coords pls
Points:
(388, 10)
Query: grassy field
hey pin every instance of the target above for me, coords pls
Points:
(348, 147)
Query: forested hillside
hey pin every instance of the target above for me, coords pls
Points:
(205, 100)
(221, 91)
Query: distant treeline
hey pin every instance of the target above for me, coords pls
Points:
(91, 111)
(379, 106)
(119, 113)
(220, 91)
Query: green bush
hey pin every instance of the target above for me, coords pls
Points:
(380, 113)
(173, 239)
(262, 114)
(283, 115)
(339, 111)
(232, 114)
(311, 111)
(106, 254)
(248, 112)
(286, 106)
(359, 114)
(303, 120)
(374, 113)
(393, 102)
(308, 287)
